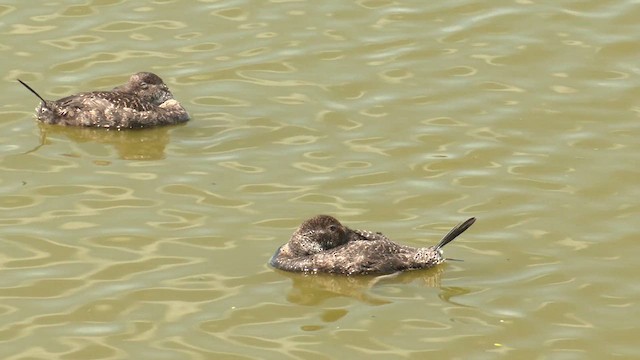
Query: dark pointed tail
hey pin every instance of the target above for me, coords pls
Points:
(33, 91)
(453, 233)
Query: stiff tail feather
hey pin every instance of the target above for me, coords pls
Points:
(33, 91)
(453, 233)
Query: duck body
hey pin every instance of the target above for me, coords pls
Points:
(323, 245)
(144, 101)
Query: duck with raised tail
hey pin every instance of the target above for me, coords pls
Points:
(323, 245)
(144, 101)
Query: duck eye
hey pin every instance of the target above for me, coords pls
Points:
(144, 85)
(333, 228)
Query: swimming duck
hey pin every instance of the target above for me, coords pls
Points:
(144, 101)
(323, 245)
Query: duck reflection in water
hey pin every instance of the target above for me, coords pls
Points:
(323, 245)
(149, 144)
(372, 290)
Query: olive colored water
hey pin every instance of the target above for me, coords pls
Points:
(404, 117)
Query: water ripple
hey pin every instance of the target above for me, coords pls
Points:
(395, 117)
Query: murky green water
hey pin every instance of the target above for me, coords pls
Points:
(401, 117)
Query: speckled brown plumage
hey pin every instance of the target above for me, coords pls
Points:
(323, 245)
(144, 101)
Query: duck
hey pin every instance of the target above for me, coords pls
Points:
(144, 101)
(322, 244)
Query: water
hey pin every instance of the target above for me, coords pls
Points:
(400, 117)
